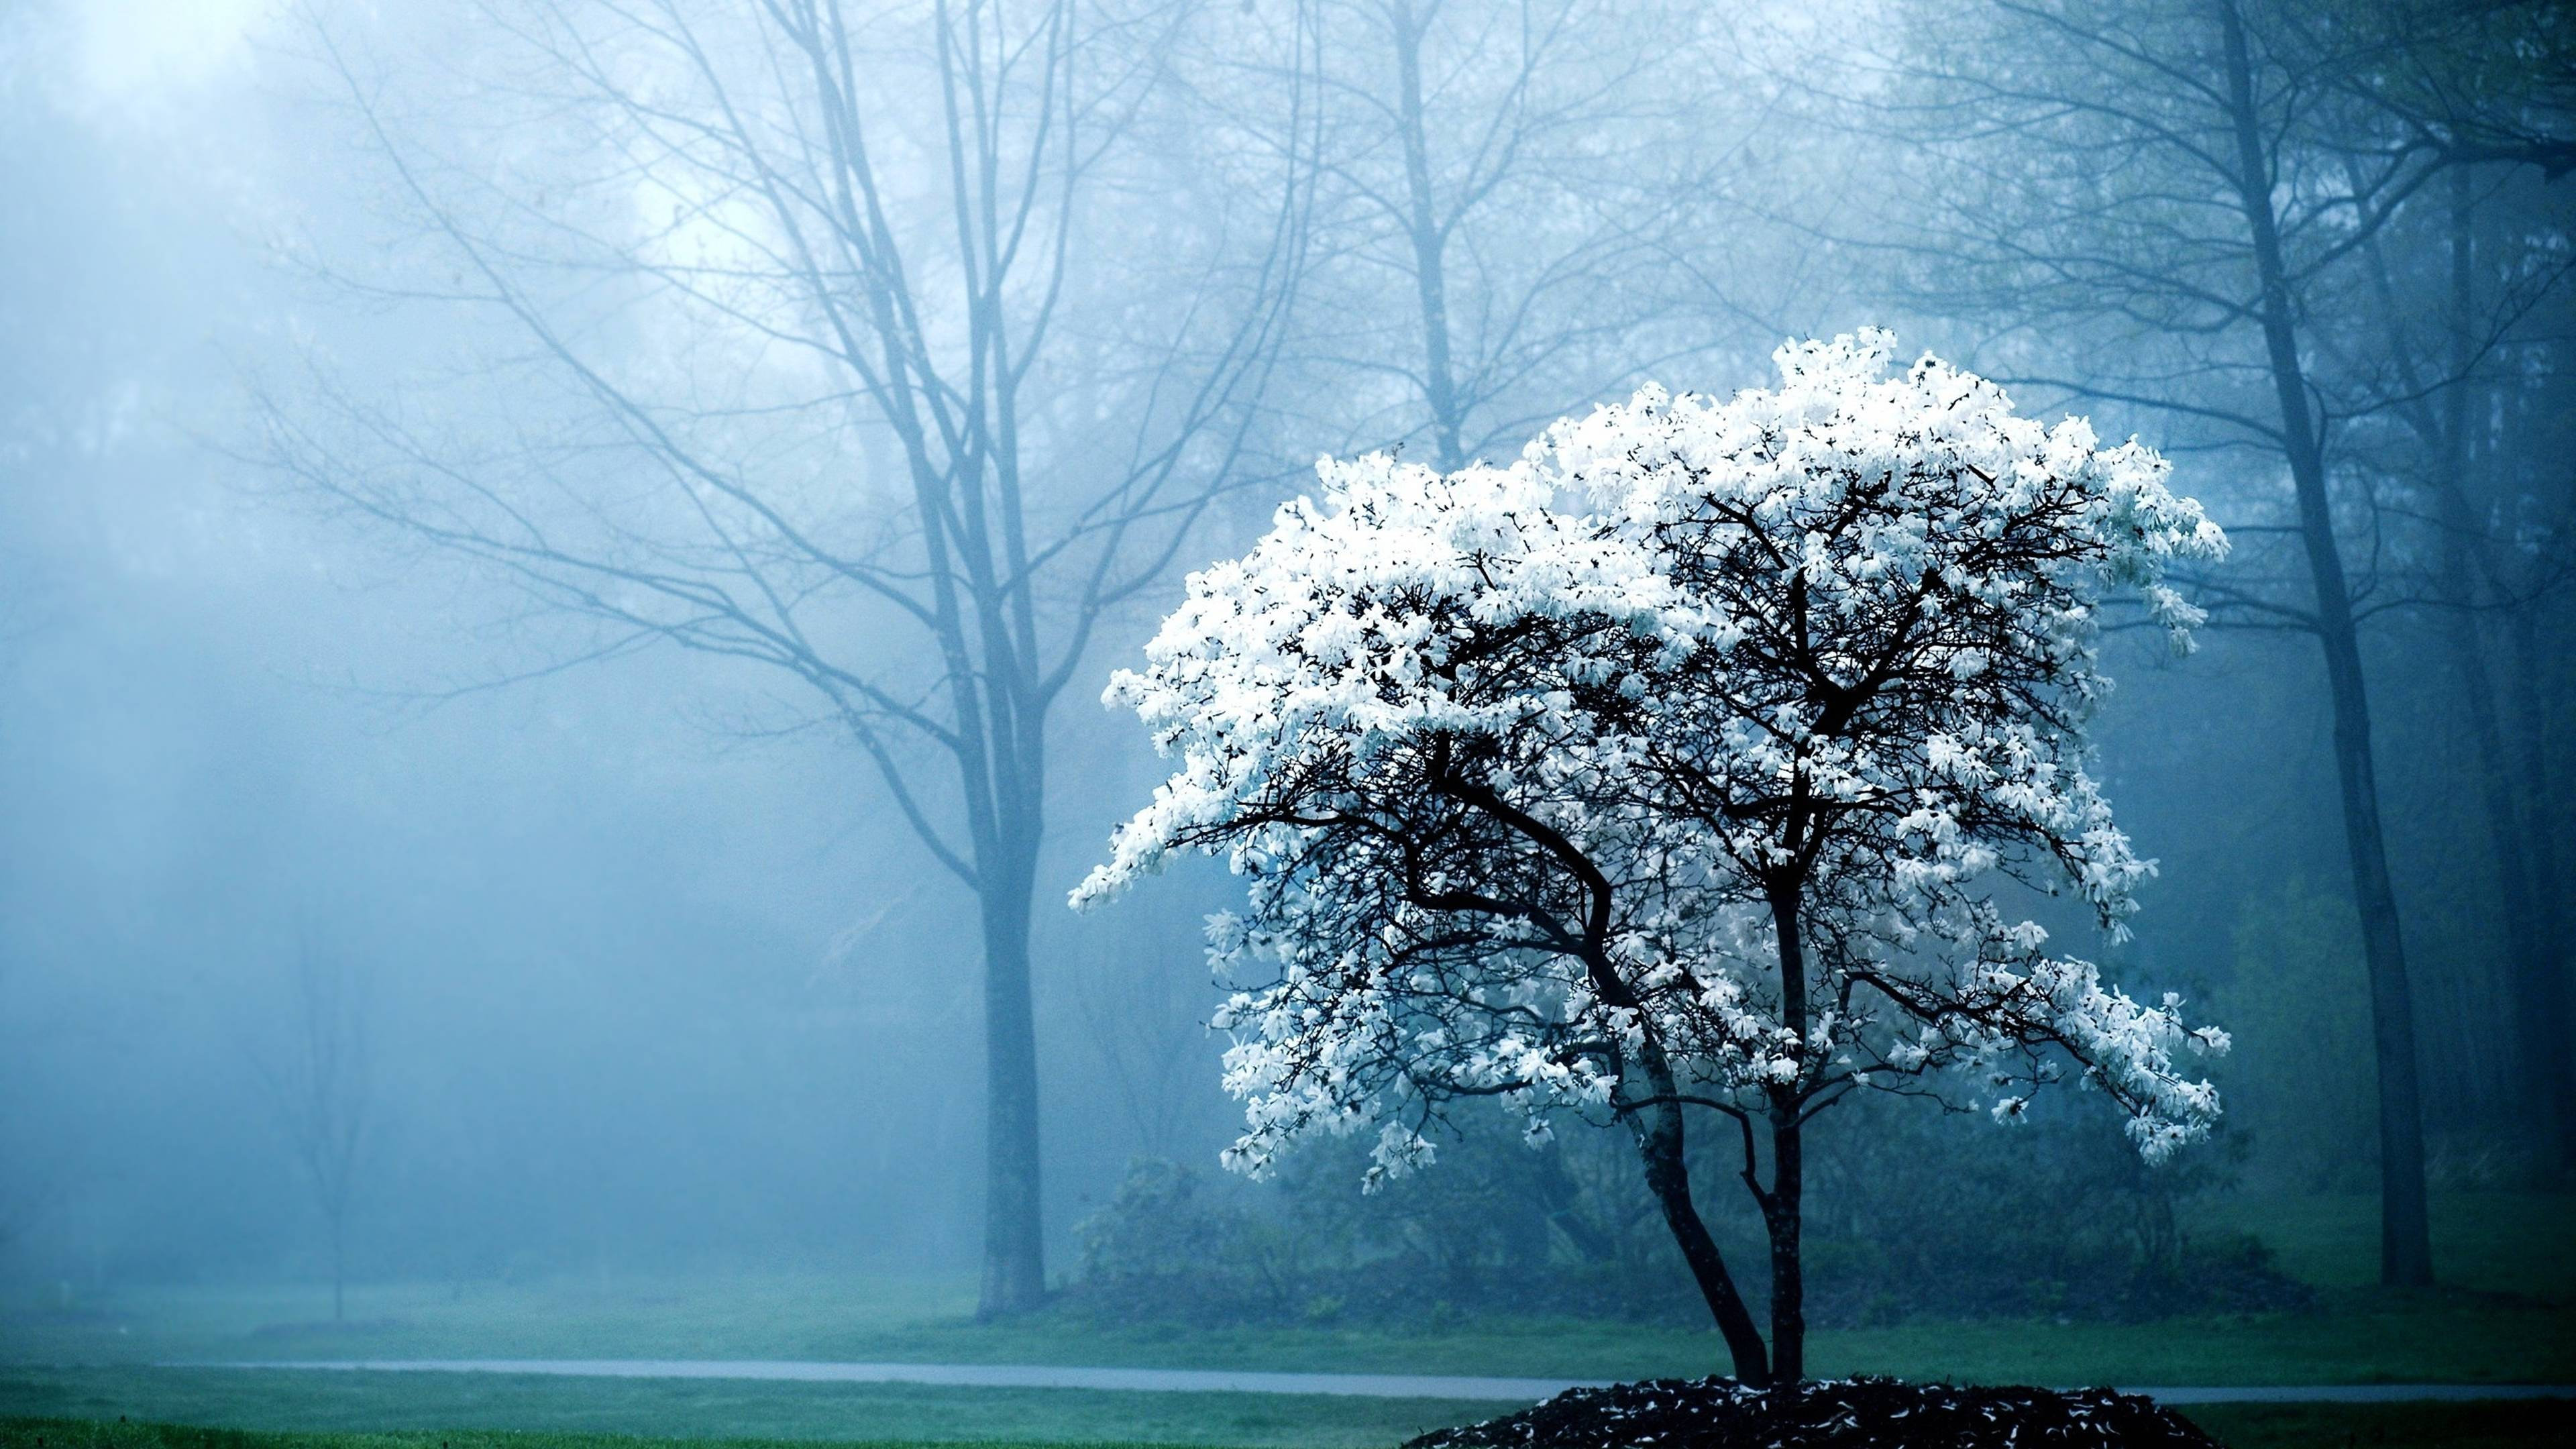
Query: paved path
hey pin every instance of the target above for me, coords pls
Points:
(991, 1376)
(1246, 1381)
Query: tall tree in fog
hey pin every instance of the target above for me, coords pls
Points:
(2479, 380)
(2166, 203)
(1515, 211)
(889, 347)
(321, 1086)
(2499, 546)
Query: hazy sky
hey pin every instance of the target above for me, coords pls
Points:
(633, 978)
(641, 986)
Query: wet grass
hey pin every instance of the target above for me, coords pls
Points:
(323, 1403)
(2528, 1424)
(2507, 1314)
(2522, 1425)
(89, 1434)
(86, 1434)
(2350, 1336)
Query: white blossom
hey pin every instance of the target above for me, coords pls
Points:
(1521, 763)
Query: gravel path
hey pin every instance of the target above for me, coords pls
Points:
(1244, 1381)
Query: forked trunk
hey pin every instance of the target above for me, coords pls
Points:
(1657, 1127)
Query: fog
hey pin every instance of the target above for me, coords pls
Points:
(452, 680)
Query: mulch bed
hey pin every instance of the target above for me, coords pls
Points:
(1860, 1413)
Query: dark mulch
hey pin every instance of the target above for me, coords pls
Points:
(1861, 1413)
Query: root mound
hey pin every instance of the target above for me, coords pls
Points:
(1860, 1413)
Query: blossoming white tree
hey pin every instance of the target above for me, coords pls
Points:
(1678, 765)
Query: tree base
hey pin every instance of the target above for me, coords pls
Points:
(1859, 1413)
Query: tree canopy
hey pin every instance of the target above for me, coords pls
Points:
(1688, 760)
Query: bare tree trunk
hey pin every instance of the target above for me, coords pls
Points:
(2544, 978)
(1430, 244)
(777, 111)
(2539, 1020)
(2405, 1240)
(2541, 1016)
(1014, 1242)
(2540, 996)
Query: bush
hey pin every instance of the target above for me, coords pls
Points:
(1918, 1215)
(1167, 1247)
(1912, 1215)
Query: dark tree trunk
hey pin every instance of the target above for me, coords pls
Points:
(1653, 1114)
(1014, 1243)
(1784, 1206)
(2539, 988)
(2544, 983)
(1657, 1126)
(2405, 1242)
(1784, 1219)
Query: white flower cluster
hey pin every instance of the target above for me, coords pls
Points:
(1686, 750)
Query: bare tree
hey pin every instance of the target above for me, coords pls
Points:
(1518, 212)
(320, 1086)
(1521, 208)
(2162, 206)
(1155, 1042)
(883, 348)
(2497, 552)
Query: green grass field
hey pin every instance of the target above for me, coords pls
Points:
(2507, 1313)
(2528, 1425)
(340, 1403)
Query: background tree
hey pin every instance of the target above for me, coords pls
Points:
(1698, 798)
(2163, 207)
(2492, 538)
(1519, 208)
(787, 375)
(321, 1086)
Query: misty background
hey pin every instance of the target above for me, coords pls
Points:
(635, 959)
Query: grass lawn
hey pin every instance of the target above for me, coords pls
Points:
(2520, 1243)
(2353, 1336)
(2538, 1424)
(89, 1434)
(2507, 1313)
(2526, 1425)
(312, 1402)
